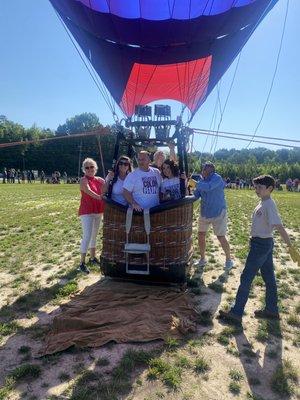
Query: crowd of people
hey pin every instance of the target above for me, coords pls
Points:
(152, 183)
(292, 185)
(12, 175)
(243, 183)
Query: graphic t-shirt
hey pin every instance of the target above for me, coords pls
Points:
(117, 192)
(171, 188)
(264, 216)
(144, 186)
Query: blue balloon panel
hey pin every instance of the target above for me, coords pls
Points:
(158, 10)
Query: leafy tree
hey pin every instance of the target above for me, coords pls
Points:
(80, 123)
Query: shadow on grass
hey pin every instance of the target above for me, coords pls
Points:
(31, 302)
(271, 374)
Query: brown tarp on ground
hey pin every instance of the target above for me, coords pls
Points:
(122, 312)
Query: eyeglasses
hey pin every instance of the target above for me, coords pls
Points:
(123, 163)
(89, 167)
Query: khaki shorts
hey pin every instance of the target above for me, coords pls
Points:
(219, 224)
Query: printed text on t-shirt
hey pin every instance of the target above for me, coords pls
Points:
(150, 185)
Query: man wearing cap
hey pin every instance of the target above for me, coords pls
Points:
(210, 188)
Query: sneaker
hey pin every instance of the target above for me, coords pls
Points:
(83, 268)
(266, 314)
(228, 265)
(94, 261)
(230, 317)
(201, 263)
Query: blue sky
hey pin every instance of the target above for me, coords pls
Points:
(44, 82)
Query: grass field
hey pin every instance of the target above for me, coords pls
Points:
(39, 254)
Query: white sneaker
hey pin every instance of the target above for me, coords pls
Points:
(228, 265)
(202, 262)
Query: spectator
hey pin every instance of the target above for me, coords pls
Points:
(4, 179)
(42, 176)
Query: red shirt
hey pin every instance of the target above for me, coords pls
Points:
(89, 205)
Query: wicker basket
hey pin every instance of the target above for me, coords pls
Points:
(170, 241)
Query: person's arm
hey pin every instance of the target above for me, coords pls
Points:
(183, 176)
(108, 179)
(129, 198)
(173, 155)
(197, 192)
(213, 183)
(84, 186)
(283, 233)
(294, 253)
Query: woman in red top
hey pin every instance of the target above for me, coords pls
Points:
(90, 211)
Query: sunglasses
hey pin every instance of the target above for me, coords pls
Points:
(89, 167)
(123, 163)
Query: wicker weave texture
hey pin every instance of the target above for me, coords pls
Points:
(170, 236)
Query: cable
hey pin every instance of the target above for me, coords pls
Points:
(101, 86)
(227, 98)
(274, 75)
(246, 135)
(256, 141)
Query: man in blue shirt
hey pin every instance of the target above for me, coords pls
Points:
(210, 188)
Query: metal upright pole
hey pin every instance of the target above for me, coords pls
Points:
(101, 155)
(180, 144)
(79, 159)
(115, 158)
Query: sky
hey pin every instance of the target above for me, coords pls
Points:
(43, 80)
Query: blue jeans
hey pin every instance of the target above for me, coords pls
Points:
(260, 257)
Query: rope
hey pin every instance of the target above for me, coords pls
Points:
(102, 131)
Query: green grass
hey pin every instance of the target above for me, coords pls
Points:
(8, 328)
(234, 387)
(170, 375)
(25, 371)
(236, 375)
(201, 365)
(44, 219)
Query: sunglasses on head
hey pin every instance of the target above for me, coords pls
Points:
(123, 163)
(89, 167)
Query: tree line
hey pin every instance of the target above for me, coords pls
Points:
(65, 155)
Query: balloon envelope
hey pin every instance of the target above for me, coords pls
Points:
(146, 50)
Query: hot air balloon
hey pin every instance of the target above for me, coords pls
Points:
(144, 51)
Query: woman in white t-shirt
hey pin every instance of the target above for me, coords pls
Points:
(116, 179)
(170, 187)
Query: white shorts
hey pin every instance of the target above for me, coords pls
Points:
(218, 223)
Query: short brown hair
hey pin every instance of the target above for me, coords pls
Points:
(266, 180)
(144, 152)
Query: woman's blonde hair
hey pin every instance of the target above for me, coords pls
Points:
(89, 161)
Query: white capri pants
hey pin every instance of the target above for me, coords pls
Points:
(90, 227)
